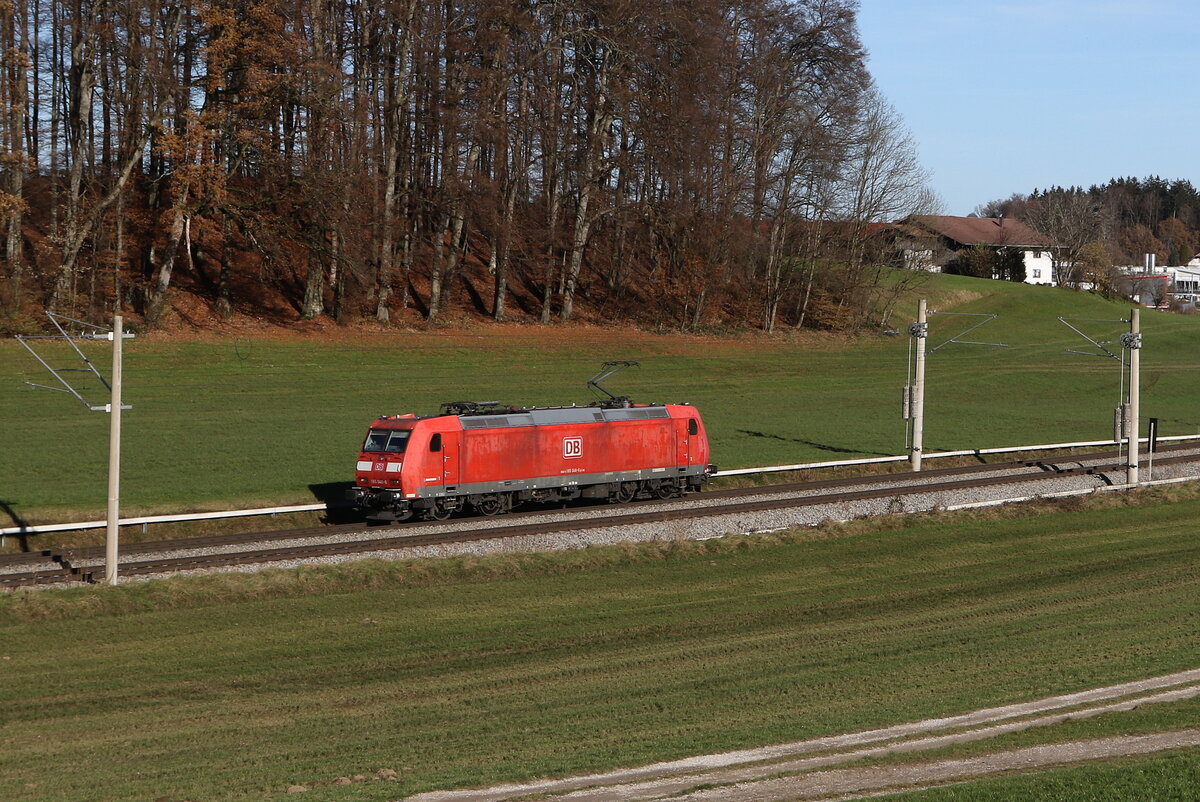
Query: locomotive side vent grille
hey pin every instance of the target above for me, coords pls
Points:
(496, 421)
(636, 413)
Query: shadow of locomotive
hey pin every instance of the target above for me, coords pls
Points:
(338, 510)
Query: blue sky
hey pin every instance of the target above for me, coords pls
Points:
(1006, 96)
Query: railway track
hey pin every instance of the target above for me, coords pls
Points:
(156, 557)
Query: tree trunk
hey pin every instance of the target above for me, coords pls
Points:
(454, 255)
(14, 244)
(499, 282)
(398, 97)
(79, 111)
(337, 274)
(224, 301)
(698, 315)
(13, 96)
(406, 259)
(81, 228)
(551, 257)
(437, 269)
(501, 250)
(314, 287)
(158, 295)
(589, 174)
(553, 145)
(386, 247)
(578, 242)
(501, 241)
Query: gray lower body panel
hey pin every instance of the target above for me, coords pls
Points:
(557, 482)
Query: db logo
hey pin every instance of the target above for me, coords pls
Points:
(572, 447)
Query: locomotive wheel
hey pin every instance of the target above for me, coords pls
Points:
(404, 516)
(664, 490)
(437, 513)
(626, 492)
(491, 505)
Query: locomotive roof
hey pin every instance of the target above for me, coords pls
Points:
(495, 417)
(549, 416)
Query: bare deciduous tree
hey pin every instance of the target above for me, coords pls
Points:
(349, 157)
(1072, 220)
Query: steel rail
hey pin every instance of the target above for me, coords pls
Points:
(316, 550)
(72, 570)
(332, 530)
(295, 508)
(71, 565)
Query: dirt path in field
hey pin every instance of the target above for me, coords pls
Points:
(859, 783)
(754, 774)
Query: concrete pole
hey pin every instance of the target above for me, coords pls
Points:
(1135, 351)
(114, 459)
(920, 331)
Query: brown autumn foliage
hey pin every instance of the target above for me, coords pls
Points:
(651, 161)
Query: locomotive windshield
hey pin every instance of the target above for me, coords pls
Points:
(389, 441)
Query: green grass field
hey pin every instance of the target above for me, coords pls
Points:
(1171, 777)
(224, 421)
(478, 670)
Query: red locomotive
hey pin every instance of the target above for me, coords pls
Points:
(485, 457)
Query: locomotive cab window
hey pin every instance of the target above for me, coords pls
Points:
(386, 441)
(435, 443)
(693, 428)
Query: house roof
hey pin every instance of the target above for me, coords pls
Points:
(982, 230)
(902, 229)
(847, 228)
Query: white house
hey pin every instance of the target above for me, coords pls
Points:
(1039, 267)
(947, 236)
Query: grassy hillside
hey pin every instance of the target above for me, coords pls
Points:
(475, 670)
(230, 420)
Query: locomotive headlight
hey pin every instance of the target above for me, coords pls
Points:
(363, 465)
(394, 467)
